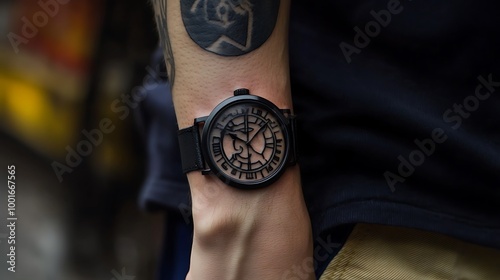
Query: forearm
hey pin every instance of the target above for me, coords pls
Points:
(238, 234)
(203, 79)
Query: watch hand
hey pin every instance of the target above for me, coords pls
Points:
(264, 126)
(246, 127)
(234, 137)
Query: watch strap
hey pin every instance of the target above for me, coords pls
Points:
(292, 130)
(190, 148)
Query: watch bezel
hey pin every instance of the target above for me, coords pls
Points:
(209, 124)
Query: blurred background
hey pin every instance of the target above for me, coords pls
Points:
(65, 66)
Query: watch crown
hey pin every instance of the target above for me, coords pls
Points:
(241, 91)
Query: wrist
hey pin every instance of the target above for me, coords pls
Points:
(264, 228)
(214, 201)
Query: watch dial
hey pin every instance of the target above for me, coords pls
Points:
(246, 144)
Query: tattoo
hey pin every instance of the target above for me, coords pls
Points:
(160, 8)
(229, 27)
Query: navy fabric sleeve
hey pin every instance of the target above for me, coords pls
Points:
(165, 186)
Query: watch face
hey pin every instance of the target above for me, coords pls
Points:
(245, 142)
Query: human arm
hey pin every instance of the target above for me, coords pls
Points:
(238, 234)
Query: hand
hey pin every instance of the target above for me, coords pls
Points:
(263, 127)
(235, 137)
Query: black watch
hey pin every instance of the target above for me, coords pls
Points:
(246, 141)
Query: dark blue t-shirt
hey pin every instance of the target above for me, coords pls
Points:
(399, 105)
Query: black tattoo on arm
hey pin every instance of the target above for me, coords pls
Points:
(229, 27)
(160, 9)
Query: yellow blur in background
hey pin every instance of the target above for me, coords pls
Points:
(45, 62)
(62, 64)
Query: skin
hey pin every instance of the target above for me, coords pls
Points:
(238, 234)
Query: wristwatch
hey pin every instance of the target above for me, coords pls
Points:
(246, 141)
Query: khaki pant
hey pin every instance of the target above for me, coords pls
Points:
(386, 253)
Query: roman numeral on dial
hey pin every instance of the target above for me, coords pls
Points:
(216, 146)
(216, 149)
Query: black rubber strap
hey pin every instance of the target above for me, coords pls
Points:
(293, 152)
(190, 147)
